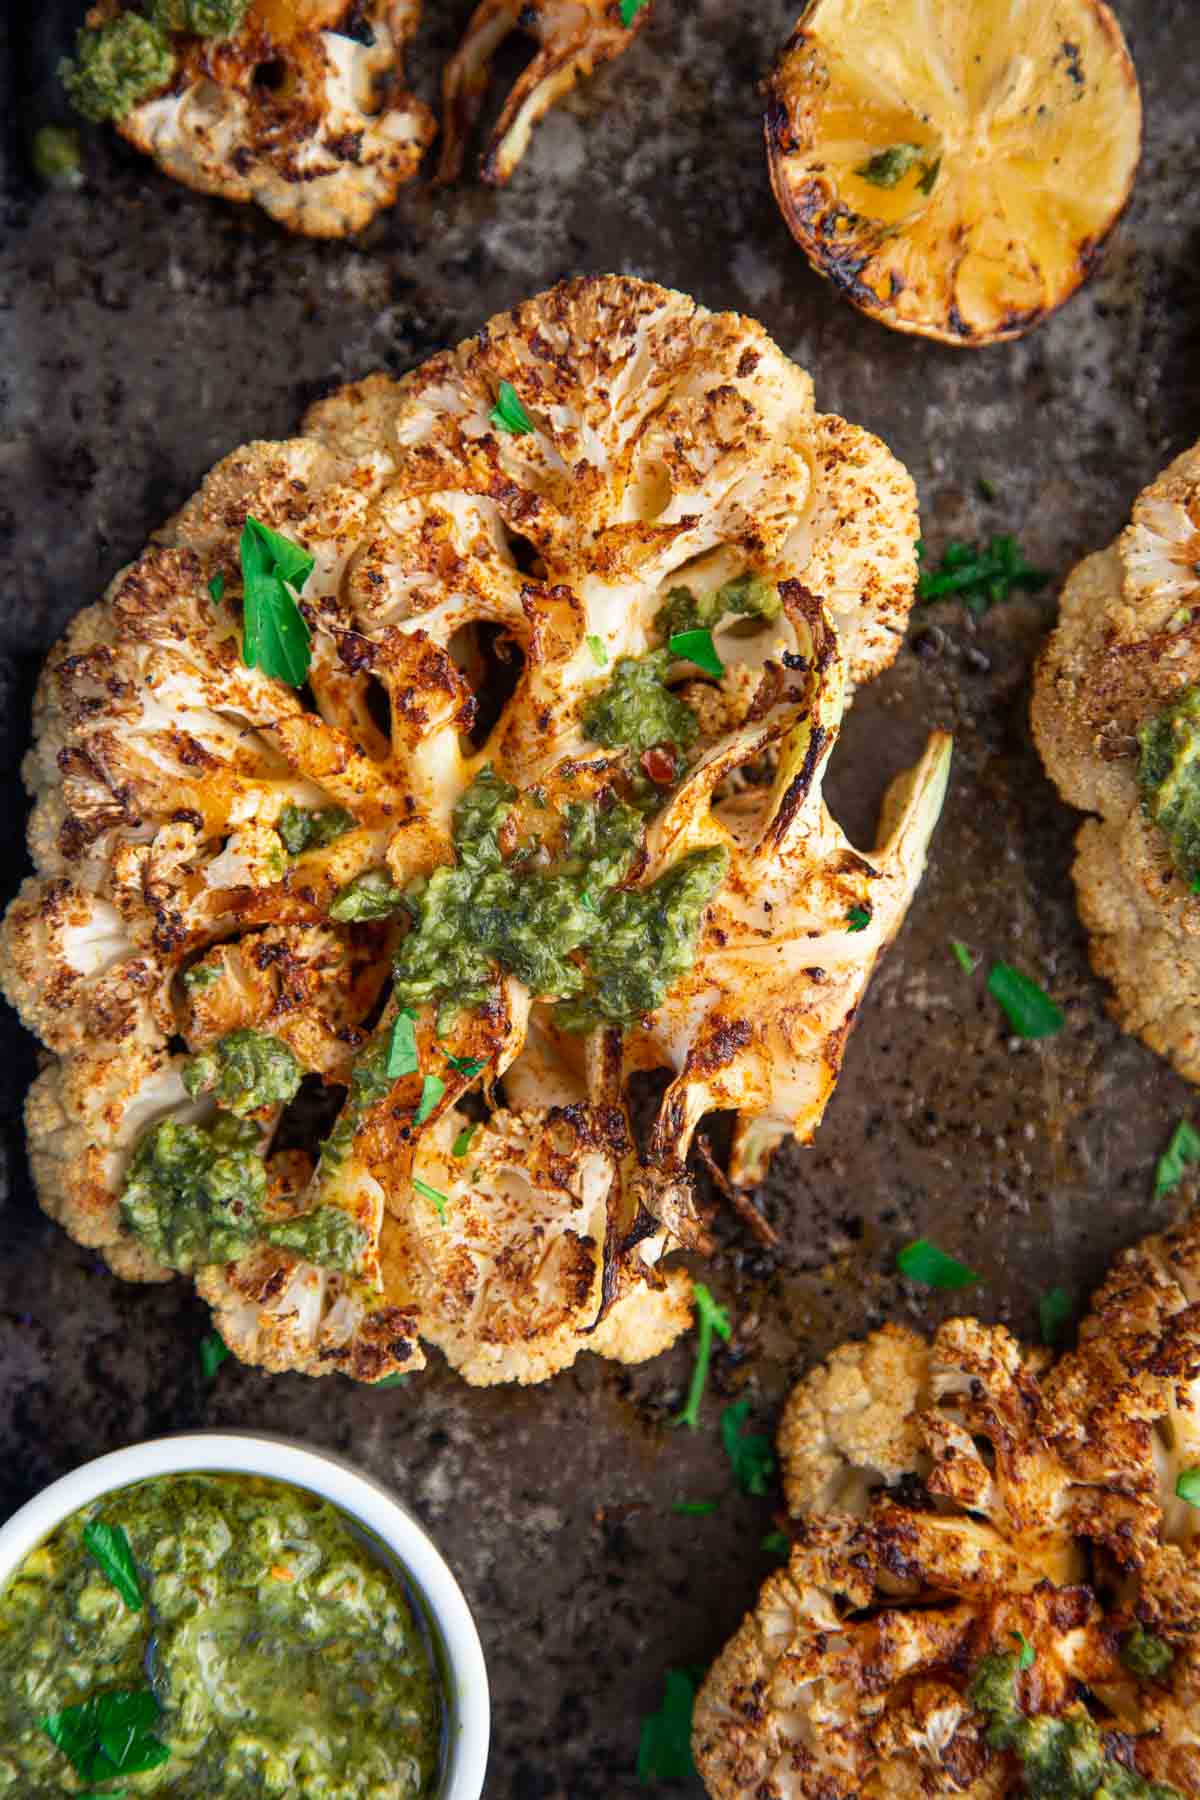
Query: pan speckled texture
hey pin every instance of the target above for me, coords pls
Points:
(144, 331)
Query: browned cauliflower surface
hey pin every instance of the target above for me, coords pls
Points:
(301, 108)
(253, 1077)
(974, 1528)
(1125, 652)
(571, 38)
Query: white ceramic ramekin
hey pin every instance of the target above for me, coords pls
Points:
(364, 1501)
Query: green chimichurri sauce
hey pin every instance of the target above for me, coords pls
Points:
(272, 1654)
(1169, 778)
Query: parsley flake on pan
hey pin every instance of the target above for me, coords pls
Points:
(922, 1261)
(981, 575)
(710, 1319)
(1030, 1011)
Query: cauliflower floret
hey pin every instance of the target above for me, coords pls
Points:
(301, 108)
(573, 37)
(935, 1630)
(224, 859)
(1125, 652)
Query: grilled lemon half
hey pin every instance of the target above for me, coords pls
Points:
(954, 166)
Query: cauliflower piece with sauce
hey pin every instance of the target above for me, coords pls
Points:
(1114, 705)
(413, 908)
(992, 1587)
(298, 105)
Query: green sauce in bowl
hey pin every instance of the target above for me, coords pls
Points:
(214, 1635)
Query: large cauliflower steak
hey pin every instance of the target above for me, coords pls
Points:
(1126, 651)
(284, 943)
(993, 1587)
(301, 109)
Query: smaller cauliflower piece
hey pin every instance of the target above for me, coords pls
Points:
(993, 1587)
(300, 108)
(1115, 719)
(573, 38)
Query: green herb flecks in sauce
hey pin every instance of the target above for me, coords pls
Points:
(371, 895)
(554, 918)
(887, 168)
(311, 828)
(748, 595)
(285, 1660)
(202, 18)
(244, 1070)
(1063, 1757)
(116, 66)
(1169, 778)
(369, 1083)
(57, 156)
(1145, 1655)
(636, 710)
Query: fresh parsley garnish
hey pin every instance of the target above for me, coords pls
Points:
(665, 1745)
(462, 1142)
(1187, 1486)
(1026, 1654)
(275, 637)
(987, 489)
(887, 168)
(213, 1352)
(1056, 1309)
(694, 1509)
(924, 1262)
(599, 652)
(697, 647)
(466, 1066)
(111, 1549)
(750, 1455)
(1028, 1008)
(403, 1056)
(432, 1089)
(776, 1543)
(436, 1199)
(216, 587)
(962, 956)
(858, 918)
(109, 1734)
(710, 1318)
(508, 414)
(392, 1380)
(629, 11)
(981, 574)
(1184, 1148)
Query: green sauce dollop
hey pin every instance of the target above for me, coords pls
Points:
(1169, 778)
(282, 1657)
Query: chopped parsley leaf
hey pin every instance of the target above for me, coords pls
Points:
(962, 956)
(432, 1089)
(213, 1352)
(710, 1318)
(598, 649)
(392, 1380)
(629, 10)
(462, 1142)
(858, 918)
(1026, 1654)
(508, 414)
(665, 1745)
(403, 1056)
(109, 1734)
(694, 1509)
(982, 575)
(1028, 1008)
(275, 636)
(776, 1543)
(1187, 1486)
(1184, 1148)
(111, 1548)
(924, 1262)
(1056, 1309)
(466, 1066)
(697, 647)
(750, 1455)
(436, 1200)
(216, 587)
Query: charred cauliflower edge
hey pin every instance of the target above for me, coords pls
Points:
(1127, 646)
(201, 834)
(991, 1579)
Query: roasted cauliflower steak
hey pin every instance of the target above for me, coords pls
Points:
(302, 108)
(1111, 718)
(343, 985)
(993, 1587)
